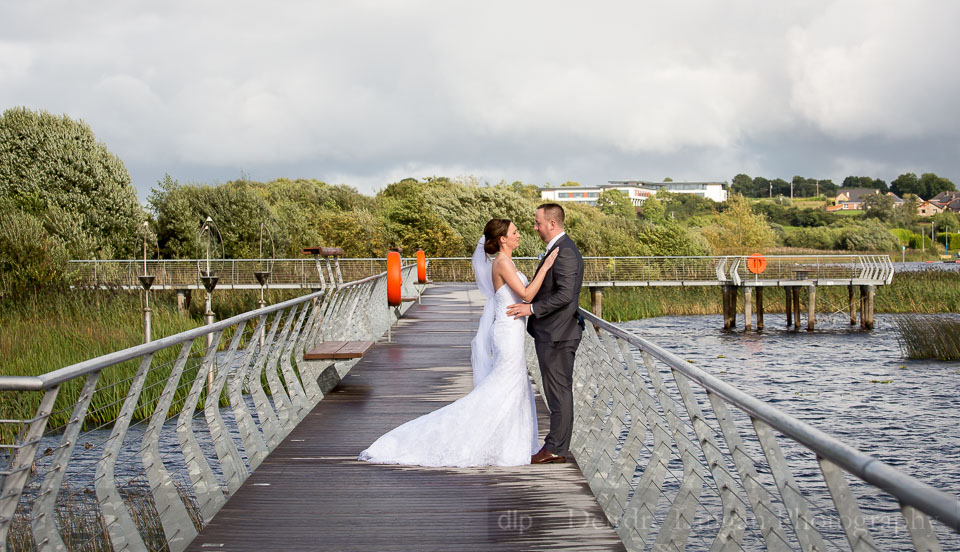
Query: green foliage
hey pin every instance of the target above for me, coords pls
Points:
(738, 230)
(867, 235)
(236, 208)
(819, 237)
(864, 182)
(800, 186)
(907, 237)
(878, 206)
(946, 221)
(654, 211)
(62, 195)
(794, 216)
(54, 169)
(684, 207)
(615, 203)
(931, 184)
(30, 257)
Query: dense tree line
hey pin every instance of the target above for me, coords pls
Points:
(64, 195)
(926, 186)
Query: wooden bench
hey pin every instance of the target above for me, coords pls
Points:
(338, 350)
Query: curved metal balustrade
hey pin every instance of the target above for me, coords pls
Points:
(598, 271)
(134, 444)
(678, 460)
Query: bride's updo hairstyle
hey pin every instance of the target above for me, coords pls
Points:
(492, 232)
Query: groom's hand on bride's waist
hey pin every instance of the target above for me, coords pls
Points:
(519, 309)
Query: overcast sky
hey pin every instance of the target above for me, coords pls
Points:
(366, 93)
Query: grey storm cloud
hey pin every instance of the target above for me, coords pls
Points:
(366, 93)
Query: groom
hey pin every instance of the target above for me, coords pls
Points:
(555, 325)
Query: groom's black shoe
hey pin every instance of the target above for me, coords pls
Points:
(547, 457)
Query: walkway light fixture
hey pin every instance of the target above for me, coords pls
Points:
(145, 239)
(209, 265)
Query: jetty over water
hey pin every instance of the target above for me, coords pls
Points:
(312, 493)
(861, 274)
(668, 457)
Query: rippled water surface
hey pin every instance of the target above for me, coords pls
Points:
(850, 383)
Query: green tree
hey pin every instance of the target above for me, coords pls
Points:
(931, 185)
(570, 183)
(738, 230)
(742, 184)
(53, 168)
(945, 222)
(878, 206)
(654, 211)
(236, 208)
(906, 183)
(616, 203)
(864, 182)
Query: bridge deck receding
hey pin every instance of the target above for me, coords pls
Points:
(312, 494)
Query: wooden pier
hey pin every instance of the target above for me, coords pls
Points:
(312, 494)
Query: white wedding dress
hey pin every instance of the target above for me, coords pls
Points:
(493, 425)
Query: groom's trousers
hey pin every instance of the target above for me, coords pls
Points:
(556, 368)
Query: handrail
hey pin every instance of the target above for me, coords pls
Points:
(274, 339)
(907, 489)
(630, 438)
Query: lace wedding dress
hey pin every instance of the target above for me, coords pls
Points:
(494, 425)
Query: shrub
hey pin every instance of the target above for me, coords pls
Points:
(868, 235)
(30, 257)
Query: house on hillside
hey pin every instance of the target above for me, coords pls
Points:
(852, 198)
(928, 209)
(943, 199)
(897, 200)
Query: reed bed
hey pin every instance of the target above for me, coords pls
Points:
(928, 337)
(47, 332)
(82, 526)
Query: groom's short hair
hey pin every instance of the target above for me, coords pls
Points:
(554, 212)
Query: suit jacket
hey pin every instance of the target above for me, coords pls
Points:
(555, 306)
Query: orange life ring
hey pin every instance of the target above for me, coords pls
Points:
(756, 263)
(393, 279)
(421, 267)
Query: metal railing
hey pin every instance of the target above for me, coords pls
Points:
(138, 449)
(598, 271)
(679, 459)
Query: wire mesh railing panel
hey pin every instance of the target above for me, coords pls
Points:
(140, 448)
(680, 460)
(315, 273)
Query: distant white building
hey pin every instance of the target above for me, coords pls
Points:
(717, 191)
(589, 194)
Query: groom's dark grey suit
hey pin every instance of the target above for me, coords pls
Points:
(556, 329)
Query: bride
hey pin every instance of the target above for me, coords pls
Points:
(496, 423)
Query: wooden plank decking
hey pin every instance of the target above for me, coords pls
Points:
(312, 494)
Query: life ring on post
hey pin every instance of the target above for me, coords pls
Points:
(421, 267)
(394, 280)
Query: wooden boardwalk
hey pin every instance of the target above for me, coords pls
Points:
(312, 494)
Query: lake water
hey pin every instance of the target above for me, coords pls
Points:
(850, 383)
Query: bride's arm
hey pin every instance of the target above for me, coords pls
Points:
(508, 272)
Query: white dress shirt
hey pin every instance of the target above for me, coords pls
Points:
(549, 245)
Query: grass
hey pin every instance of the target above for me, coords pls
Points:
(58, 328)
(929, 337)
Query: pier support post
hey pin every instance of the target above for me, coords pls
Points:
(811, 307)
(863, 306)
(729, 307)
(183, 300)
(747, 308)
(596, 301)
(853, 304)
(759, 308)
(796, 307)
(871, 292)
(788, 305)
